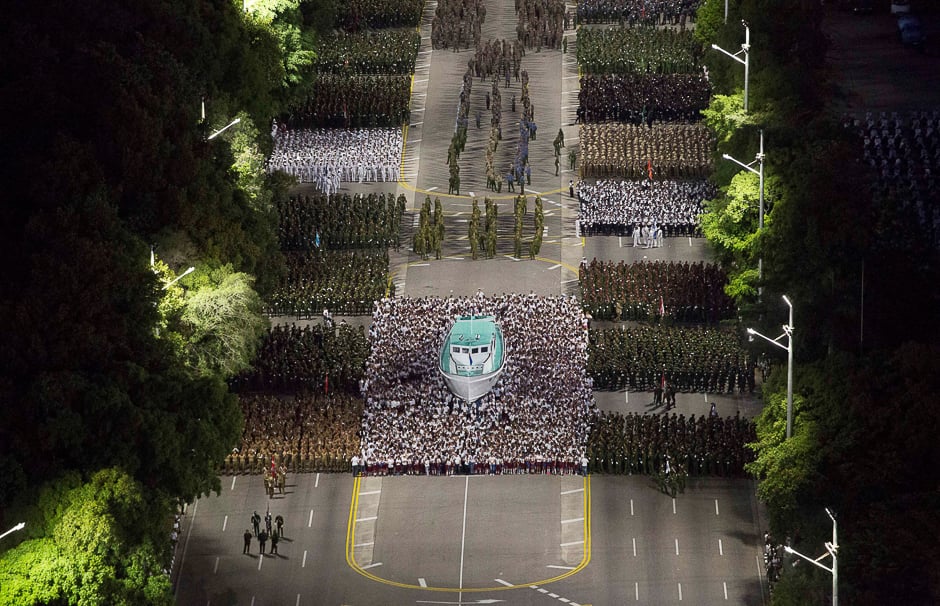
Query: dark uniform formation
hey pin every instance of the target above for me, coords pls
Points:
(541, 23)
(457, 24)
(354, 15)
(622, 208)
(903, 152)
(373, 52)
(626, 50)
(664, 444)
(339, 221)
(670, 151)
(688, 359)
(634, 291)
(352, 101)
(643, 98)
(638, 12)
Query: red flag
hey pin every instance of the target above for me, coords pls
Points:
(649, 169)
(273, 468)
(662, 307)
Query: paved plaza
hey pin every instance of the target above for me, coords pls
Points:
(515, 540)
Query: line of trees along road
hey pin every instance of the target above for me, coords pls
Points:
(867, 299)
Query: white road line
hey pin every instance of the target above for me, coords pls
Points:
(680, 591)
(724, 586)
(556, 266)
(252, 600)
(631, 507)
(316, 483)
(414, 111)
(412, 125)
(716, 506)
(419, 81)
(224, 523)
(572, 520)
(422, 582)
(560, 567)
(463, 536)
(721, 550)
(215, 568)
(626, 396)
(673, 506)
(372, 565)
(553, 595)
(303, 564)
(634, 546)
(690, 242)
(455, 258)
(297, 603)
(570, 543)
(565, 600)
(431, 189)
(186, 545)
(260, 561)
(636, 590)
(542, 590)
(368, 519)
(310, 519)
(620, 241)
(362, 494)
(415, 141)
(760, 578)
(572, 491)
(420, 265)
(570, 77)
(677, 546)
(364, 544)
(233, 482)
(565, 282)
(502, 582)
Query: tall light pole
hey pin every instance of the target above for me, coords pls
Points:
(224, 128)
(19, 526)
(832, 550)
(744, 50)
(178, 278)
(788, 333)
(759, 171)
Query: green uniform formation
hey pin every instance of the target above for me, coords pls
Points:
(353, 15)
(646, 444)
(643, 98)
(638, 12)
(457, 24)
(345, 282)
(688, 359)
(634, 291)
(429, 236)
(377, 52)
(301, 432)
(670, 151)
(340, 221)
(352, 101)
(638, 50)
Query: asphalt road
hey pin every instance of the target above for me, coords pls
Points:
(519, 540)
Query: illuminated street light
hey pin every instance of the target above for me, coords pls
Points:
(788, 333)
(19, 526)
(178, 278)
(759, 171)
(224, 128)
(832, 549)
(745, 61)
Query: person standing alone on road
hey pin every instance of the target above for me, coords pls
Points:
(279, 522)
(247, 548)
(256, 523)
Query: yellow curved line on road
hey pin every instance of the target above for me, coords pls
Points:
(351, 560)
(422, 262)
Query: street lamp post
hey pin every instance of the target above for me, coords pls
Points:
(832, 550)
(788, 333)
(178, 278)
(759, 171)
(224, 128)
(19, 526)
(745, 61)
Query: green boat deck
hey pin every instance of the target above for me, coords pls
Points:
(473, 332)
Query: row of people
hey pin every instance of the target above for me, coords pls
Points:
(665, 151)
(411, 414)
(340, 221)
(310, 358)
(638, 50)
(654, 444)
(540, 23)
(643, 98)
(646, 289)
(690, 359)
(457, 24)
(617, 207)
(354, 15)
(301, 433)
(638, 12)
(352, 101)
(327, 157)
(345, 282)
(392, 51)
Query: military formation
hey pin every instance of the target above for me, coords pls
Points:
(639, 12)
(352, 101)
(903, 153)
(339, 221)
(541, 23)
(638, 50)
(660, 445)
(481, 231)
(457, 24)
(683, 292)
(643, 98)
(693, 359)
(429, 236)
(386, 52)
(624, 208)
(663, 151)
(354, 15)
